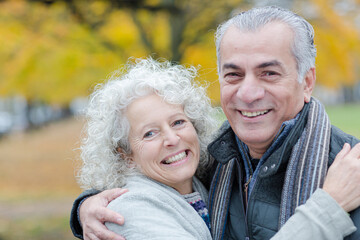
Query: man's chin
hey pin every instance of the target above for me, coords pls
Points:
(256, 139)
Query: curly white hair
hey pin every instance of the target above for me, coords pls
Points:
(107, 128)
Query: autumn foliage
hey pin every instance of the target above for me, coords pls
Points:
(54, 51)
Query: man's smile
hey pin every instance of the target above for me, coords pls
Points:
(253, 114)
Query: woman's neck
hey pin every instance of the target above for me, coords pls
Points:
(184, 187)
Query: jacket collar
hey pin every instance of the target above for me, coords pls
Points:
(223, 148)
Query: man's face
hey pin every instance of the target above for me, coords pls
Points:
(258, 83)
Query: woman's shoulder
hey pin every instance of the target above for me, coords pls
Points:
(156, 211)
(144, 190)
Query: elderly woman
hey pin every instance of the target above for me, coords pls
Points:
(147, 131)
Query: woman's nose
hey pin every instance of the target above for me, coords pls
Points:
(170, 138)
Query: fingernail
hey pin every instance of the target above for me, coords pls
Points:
(120, 221)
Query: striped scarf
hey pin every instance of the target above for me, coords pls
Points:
(308, 163)
(305, 172)
(219, 197)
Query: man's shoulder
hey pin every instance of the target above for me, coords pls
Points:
(339, 137)
(337, 140)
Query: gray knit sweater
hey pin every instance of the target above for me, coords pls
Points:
(155, 211)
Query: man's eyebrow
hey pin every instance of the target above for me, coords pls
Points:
(230, 65)
(261, 65)
(269, 64)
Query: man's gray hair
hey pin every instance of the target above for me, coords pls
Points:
(303, 48)
(107, 128)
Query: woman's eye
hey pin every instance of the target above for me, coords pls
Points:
(178, 122)
(149, 134)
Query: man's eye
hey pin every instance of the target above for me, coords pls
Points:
(233, 77)
(270, 73)
(231, 74)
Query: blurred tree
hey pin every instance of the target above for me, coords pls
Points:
(173, 29)
(165, 27)
(338, 41)
(56, 50)
(53, 51)
(47, 56)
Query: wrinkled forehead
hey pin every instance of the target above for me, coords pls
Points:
(272, 41)
(263, 34)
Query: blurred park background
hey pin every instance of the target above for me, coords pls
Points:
(53, 53)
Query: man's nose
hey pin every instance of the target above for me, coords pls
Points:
(250, 89)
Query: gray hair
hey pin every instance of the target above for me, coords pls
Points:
(303, 47)
(108, 129)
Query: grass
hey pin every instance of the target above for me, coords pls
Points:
(346, 117)
(37, 176)
(36, 229)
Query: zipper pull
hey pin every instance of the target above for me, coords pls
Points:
(246, 186)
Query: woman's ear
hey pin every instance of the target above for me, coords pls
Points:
(130, 163)
(120, 150)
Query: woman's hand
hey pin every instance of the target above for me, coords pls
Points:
(343, 179)
(93, 215)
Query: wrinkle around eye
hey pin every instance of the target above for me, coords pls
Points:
(232, 79)
(136, 145)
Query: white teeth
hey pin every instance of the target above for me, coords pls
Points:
(253, 114)
(176, 158)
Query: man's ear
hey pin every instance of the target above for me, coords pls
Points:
(309, 83)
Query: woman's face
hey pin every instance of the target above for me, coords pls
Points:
(163, 141)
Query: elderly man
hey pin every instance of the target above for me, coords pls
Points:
(275, 149)
(279, 142)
